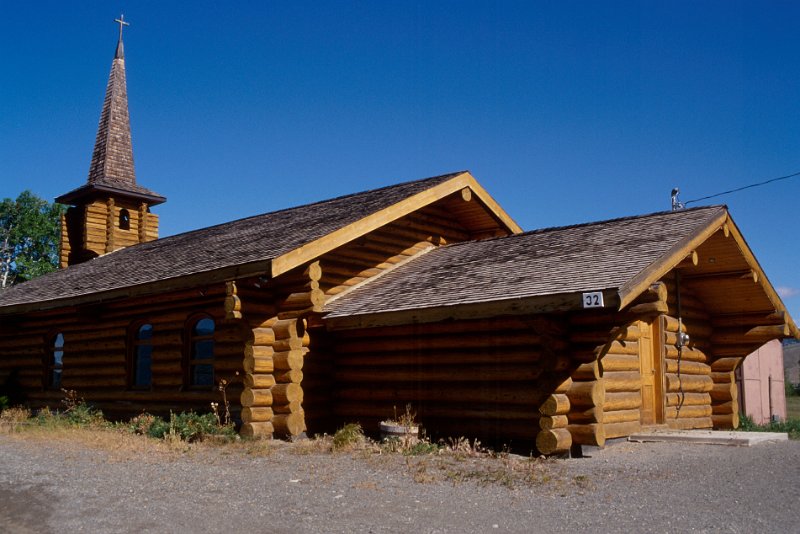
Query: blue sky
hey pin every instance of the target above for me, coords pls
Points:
(566, 112)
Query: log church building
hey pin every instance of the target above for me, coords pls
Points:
(424, 293)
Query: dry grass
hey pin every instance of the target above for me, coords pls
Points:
(120, 445)
(458, 461)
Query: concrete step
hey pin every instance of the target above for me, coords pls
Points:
(710, 437)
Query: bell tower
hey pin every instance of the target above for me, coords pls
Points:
(111, 210)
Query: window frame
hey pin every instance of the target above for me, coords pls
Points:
(124, 219)
(50, 363)
(190, 362)
(134, 343)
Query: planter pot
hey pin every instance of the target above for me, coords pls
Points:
(394, 430)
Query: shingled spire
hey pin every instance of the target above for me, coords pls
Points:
(111, 193)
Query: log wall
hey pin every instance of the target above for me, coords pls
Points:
(385, 247)
(606, 394)
(93, 229)
(486, 379)
(96, 352)
(688, 377)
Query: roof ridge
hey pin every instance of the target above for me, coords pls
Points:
(310, 204)
(590, 223)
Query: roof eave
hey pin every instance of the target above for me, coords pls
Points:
(224, 274)
(559, 302)
(92, 189)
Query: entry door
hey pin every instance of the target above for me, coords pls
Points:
(651, 362)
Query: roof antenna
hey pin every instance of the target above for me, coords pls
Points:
(676, 204)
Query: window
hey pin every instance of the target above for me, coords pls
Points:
(141, 356)
(124, 219)
(55, 361)
(200, 357)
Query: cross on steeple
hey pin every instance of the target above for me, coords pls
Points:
(120, 53)
(121, 22)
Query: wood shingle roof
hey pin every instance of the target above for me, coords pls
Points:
(597, 256)
(224, 252)
(112, 169)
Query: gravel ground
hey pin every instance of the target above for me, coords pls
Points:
(65, 485)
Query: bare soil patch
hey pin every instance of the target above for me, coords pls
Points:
(105, 481)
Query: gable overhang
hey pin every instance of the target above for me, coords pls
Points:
(721, 268)
(464, 184)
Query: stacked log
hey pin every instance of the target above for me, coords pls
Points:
(733, 339)
(274, 362)
(254, 304)
(622, 384)
(554, 436)
(147, 224)
(291, 343)
(605, 395)
(724, 393)
(64, 247)
(95, 228)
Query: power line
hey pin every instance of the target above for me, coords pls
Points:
(743, 188)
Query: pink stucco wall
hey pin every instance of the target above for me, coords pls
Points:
(761, 377)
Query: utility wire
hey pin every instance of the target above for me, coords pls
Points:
(743, 188)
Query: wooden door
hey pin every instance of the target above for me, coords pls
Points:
(651, 362)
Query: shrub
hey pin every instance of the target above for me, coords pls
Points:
(349, 435)
(3, 403)
(188, 426)
(78, 413)
(141, 424)
(791, 426)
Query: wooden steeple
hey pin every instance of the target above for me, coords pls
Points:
(111, 210)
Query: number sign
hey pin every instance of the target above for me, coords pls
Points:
(593, 299)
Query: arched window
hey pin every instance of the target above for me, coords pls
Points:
(200, 356)
(55, 361)
(140, 374)
(124, 219)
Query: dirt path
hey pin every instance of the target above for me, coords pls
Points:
(67, 486)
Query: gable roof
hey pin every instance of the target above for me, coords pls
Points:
(543, 270)
(268, 244)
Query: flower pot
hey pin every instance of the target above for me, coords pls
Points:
(391, 430)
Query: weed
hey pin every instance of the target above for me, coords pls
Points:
(422, 447)
(12, 418)
(225, 419)
(407, 419)
(141, 423)
(347, 437)
(791, 426)
(188, 427)
(78, 413)
(582, 481)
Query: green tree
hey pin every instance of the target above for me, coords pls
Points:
(29, 233)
